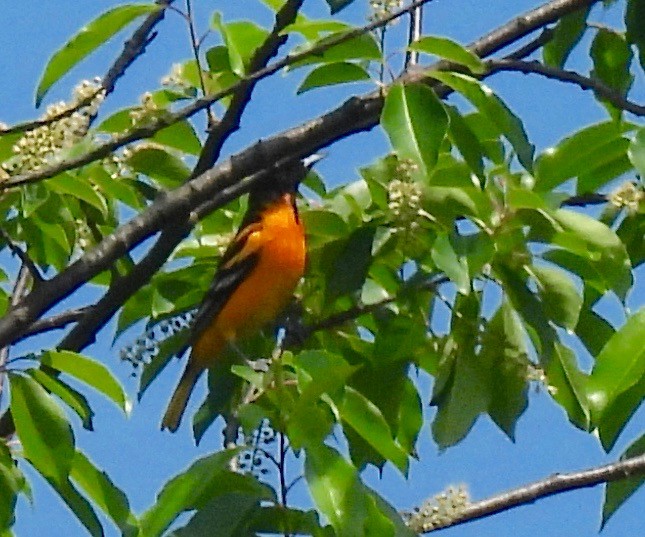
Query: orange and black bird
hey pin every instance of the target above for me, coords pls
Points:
(255, 279)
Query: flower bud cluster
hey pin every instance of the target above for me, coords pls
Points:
(382, 8)
(627, 196)
(440, 510)
(41, 146)
(404, 198)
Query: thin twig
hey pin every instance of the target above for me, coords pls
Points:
(54, 322)
(23, 256)
(133, 48)
(19, 289)
(562, 75)
(155, 125)
(194, 44)
(555, 484)
(355, 115)
(414, 33)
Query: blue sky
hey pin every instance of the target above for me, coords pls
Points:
(139, 458)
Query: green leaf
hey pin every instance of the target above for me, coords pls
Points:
(44, 432)
(489, 104)
(416, 123)
(449, 50)
(454, 266)
(618, 492)
(160, 165)
(331, 74)
(227, 515)
(73, 399)
(242, 38)
(592, 239)
(275, 520)
(618, 414)
(466, 141)
(619, 366)
(79, 506)
(11, 483)
(337, 5)
(593, 330)
(636, 151)
(363, 47)
(560, 297)
(72, 185)
(102, 491)
(90, 372)
(180, 136)
(505, 353)
(566, 36)
(88, 39)
(634, 17)
(350, 265)
(612, 58)
(462, 400)
(168, 348)
(579, 153)
(336, 489)
(185, 490)
(368, 421)
(567, 385)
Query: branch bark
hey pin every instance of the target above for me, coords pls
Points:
(555, 484)
(571, 77)
(224, 182)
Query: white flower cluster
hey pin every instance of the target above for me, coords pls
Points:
(382, 8)
(175, 79)
(440, 510)
(404, 198)
(39, 147)
(627, 195)
(146, 110)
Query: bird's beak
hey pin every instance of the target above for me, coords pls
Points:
(309, 161)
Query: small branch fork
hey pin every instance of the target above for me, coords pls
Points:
(555, 484)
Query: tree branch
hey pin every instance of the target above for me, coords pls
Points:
(223, 182)
(156, 124)
(219, 133)
(562, 75)
(132, 49)
(27, 262)
(550, 486)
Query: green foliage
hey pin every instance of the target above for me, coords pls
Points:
(88, 39)
(459, 210)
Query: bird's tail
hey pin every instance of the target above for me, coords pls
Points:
(180, 397)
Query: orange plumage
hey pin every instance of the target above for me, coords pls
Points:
(254, 282)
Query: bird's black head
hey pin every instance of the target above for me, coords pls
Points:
(281, 180)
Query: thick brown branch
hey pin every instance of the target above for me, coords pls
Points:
(222, 183)
(157, 124)
(555, 484)
(562, 75)
(219, 133)
(60, 320)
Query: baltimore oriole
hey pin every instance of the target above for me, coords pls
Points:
(255, 279)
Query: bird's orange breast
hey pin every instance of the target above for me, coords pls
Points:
(268, 288)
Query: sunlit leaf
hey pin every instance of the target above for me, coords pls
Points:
(72, 398)
(448, 49)
(89, 371)
(618, 492)
(331, 74)
(567, 385)
(45, 434)
(489, 104)
(619, 366)
(102, 491)
(88, 39)
(415, 122)
(566, 36)
(560, 298)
